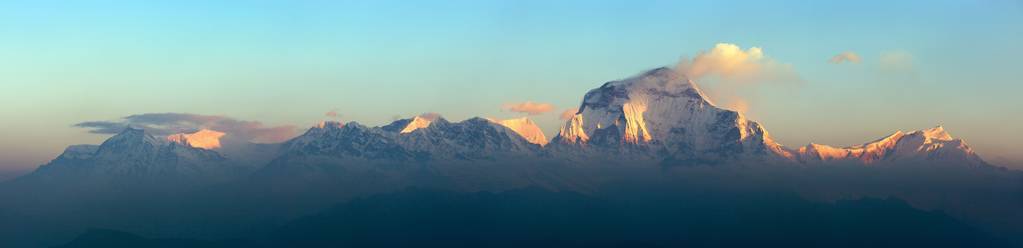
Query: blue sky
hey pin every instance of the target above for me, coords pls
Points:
(289, 62)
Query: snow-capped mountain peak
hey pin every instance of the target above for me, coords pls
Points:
(347, 141)
(132, 135)
(329, 125)
(526, 128)
(936, 133)
(417, 122)
(318, 130)
(664, 113)
(435, 140)
(129, 141)
(135, 156)
(204, 138)
(627, 104)
(474, 138)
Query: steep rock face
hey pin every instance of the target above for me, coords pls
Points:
(572, 132)
(662, 115)
(933, 145)
(416, 123)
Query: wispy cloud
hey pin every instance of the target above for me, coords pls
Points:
(846, 57)
(171, 123)
(899, 66)
(738, 105)
(332, 114)
(730, 75)
(568, 114)
(528, 107)
(430, 116)
(896, 62)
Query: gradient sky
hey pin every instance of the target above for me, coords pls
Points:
(924, 63)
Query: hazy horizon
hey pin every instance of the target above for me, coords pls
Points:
(842, 77)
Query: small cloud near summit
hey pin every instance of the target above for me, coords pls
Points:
(730, 62)
(430, 116)
(568, 114)
(738, 105)
(332, 113)
(731, 76)
(174, 123)
(529, 107)
(844, 57)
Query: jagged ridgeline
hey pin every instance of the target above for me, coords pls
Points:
(653, 127)
(657, 118)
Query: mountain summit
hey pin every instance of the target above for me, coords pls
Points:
(526, 128)
(205, 139)
(662, 114)
(137, 157)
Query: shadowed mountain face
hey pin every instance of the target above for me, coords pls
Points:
(539, 218)
(656, 126)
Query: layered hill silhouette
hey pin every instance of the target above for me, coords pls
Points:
(538, 218)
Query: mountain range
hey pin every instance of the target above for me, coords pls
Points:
(659, 117)
(655, 131)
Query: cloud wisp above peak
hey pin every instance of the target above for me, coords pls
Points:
(332, 114)
(430, 116)
(568, 114)
(846, 57)
(732, 76)
(174, 123)
(729, 62)
(896, 62)
(529, 107)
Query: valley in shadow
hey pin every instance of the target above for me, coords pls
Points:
(535, 217)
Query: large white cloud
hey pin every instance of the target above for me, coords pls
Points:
(730, 62)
